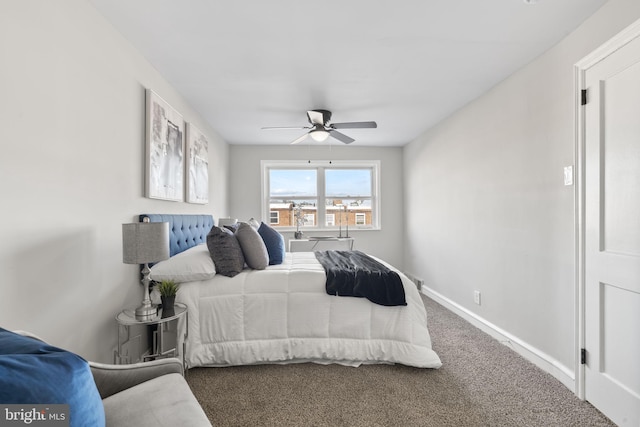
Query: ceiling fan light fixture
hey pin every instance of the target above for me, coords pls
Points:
(319, 134)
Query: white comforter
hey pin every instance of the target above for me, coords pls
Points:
(283, 315)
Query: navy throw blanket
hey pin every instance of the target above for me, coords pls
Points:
(355, 274)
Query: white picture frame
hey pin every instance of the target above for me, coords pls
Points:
(197, 166)
(164, 178)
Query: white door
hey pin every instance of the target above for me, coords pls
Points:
(612, 235)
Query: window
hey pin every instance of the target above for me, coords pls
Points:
(331, 219)
(274, 217)
(309, 219)
(321, 194)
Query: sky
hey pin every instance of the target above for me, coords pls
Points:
(302, 182)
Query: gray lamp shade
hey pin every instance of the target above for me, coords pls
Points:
(145, 242)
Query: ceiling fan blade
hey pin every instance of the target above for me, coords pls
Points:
(354, 125)
(299, 140)
(285, 127)
(341, 136)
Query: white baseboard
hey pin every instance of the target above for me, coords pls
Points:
(542, 360)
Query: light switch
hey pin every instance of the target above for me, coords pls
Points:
(568, 175)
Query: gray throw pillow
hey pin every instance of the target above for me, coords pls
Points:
(225, 251)
(253, 247)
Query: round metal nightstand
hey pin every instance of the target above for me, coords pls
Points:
(154, 338)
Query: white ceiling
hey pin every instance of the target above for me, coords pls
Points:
(407, 64)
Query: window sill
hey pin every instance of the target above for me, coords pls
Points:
(323, 229)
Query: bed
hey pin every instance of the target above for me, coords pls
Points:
(283, 314)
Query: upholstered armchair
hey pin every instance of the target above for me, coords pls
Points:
(147, 394)
(153, 394)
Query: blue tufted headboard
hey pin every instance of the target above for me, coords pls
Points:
(185, 231)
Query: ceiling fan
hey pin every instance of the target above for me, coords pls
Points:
(321, 129)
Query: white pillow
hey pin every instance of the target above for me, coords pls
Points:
(188, 266)
(254, 223)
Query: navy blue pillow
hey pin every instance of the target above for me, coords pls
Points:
(33, 372)
(274, 243)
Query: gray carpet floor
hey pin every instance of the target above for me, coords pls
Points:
(481, 383)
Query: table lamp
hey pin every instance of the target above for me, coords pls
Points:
(142, 243)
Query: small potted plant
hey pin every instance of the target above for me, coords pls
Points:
(168, 290)
(299, 218)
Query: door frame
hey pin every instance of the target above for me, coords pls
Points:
(580, 69)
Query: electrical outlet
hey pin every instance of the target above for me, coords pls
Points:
(416, 280)
(476, 297)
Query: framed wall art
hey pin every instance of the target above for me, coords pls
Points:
(165, 150)
(197, 166)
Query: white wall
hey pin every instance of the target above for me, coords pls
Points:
(72, 137)
(486, 208)
(245, 179)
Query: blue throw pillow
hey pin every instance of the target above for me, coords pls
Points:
(33, 372)
(274, 243)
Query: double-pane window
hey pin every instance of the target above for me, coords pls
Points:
(324, 195)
